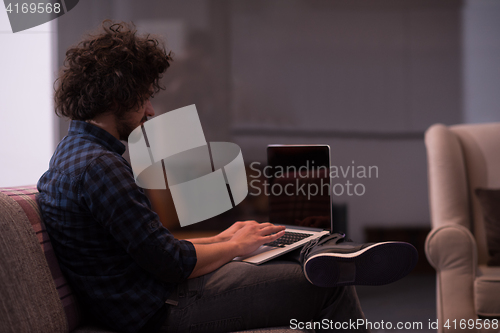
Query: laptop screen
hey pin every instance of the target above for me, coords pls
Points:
(299, 185)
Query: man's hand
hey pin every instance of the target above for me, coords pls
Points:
(224, 236)
(252, 235)
(245, 237)
(229, 232)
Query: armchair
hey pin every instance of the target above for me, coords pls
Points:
(462, 158)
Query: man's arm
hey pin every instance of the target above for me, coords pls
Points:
(113, 197)
(246, 239)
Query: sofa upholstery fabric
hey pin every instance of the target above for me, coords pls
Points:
(29, 301)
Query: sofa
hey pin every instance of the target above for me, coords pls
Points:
(461, 159)
(34, 294)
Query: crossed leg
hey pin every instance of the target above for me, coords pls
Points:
(240, 296)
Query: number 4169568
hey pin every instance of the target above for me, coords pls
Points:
(33, 8)
(472, 324)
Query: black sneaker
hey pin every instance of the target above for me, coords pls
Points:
(333, 260)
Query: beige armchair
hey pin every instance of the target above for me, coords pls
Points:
(462, 158)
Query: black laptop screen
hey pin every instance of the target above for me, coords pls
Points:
(299, 185)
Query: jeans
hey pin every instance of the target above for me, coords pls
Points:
(241, 296)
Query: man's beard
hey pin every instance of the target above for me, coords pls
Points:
(124, 126)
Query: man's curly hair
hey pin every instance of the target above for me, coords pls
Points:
(116, 70)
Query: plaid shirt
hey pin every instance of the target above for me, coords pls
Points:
(120, 260)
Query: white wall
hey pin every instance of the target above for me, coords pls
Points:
(26, 107)
(481, 65)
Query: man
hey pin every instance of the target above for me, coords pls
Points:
(128, 271)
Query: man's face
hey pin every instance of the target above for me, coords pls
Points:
(132, 119)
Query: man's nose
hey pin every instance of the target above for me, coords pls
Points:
(150, 112)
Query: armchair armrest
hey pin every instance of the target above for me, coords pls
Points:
(452, 251)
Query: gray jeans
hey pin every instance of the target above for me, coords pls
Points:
(240, 296)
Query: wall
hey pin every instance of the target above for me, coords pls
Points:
(27, 120)
(481, 66)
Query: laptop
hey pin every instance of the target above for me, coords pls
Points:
(298, 179)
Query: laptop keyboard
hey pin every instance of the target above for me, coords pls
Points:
(288, 238)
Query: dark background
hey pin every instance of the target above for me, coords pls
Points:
(366, 77)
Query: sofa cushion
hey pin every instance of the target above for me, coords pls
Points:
(487, 291)
(24, 214)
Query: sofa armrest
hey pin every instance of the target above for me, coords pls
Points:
(452, 251)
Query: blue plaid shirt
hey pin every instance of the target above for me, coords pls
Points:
(120, 260)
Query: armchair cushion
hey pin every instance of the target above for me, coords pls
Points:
(490, 206)
(487, 291)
